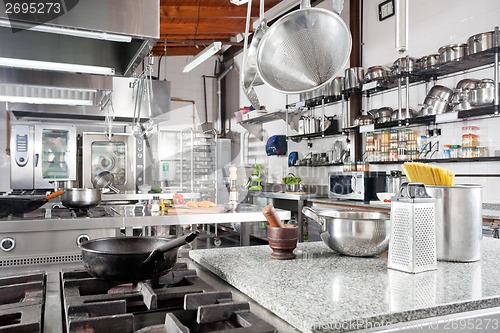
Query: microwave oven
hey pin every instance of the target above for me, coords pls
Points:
(356, 185)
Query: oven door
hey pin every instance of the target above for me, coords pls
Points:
(117, 156)
(345, 186)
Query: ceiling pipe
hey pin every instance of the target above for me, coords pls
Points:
(219, 124)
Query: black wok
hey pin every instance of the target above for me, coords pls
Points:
(20, 204)
(131, 259)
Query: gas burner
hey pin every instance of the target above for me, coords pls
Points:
(22, 302)
(178, 301)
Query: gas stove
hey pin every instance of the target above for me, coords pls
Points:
(57, 233)
(22, 302)
(179, 301)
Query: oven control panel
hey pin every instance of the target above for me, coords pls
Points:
(22, 136)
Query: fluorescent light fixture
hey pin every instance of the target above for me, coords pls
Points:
(65, 31)
(55, 66)
(41, 100)
(202, 56)
(276, 11)
(238, 2)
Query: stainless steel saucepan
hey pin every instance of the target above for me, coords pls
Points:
(81, 197)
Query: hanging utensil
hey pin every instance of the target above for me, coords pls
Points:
(247, 78)
(304, 50)
(250, 75)
(105, 179)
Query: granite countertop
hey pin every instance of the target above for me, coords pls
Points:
(322, 291)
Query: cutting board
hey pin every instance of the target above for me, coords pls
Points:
(178, 210)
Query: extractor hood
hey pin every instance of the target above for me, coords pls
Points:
(109, 37)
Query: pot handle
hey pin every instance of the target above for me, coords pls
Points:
(310, 213)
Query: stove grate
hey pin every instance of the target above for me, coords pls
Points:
(22, 303)
(178, 302)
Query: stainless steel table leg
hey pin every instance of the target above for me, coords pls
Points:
(245, 234)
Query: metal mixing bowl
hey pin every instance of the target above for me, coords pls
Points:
(355, 233)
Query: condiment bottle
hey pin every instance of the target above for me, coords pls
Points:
(155, 204)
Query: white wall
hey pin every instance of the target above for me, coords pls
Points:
(432, 24)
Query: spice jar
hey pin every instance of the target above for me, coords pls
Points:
(362, 166)
(455, 151)
(470, 137)
(446, 151)
(349, 166)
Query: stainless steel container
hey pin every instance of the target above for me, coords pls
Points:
(354, 77)
(353, 232)
(481, 42)
(335, 88)
(452, 52)
(458, 222)
(428, 62)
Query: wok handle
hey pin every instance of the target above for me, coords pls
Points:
(160, 250)
(56, 194)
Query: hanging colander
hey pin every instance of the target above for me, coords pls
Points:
(303, 50)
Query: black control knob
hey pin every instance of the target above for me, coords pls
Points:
(7, 244)
(21, 159)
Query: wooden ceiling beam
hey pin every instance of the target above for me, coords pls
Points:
(204, 26)
(170, 12)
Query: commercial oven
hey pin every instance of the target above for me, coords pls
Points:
(42, 154)
(122, 155)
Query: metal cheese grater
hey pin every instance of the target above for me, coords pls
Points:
(412, 247)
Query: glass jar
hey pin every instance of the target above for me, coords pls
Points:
(469, 152)
(446, 151)
(455, 151)
(393, 155)
(362, 166)
(349, 166)
(411, 155)
(481, 151)
(470, 136)
(384, 138)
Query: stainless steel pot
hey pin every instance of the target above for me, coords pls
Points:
(395, 114)
(483, 94)
(458, 221)
(481, 42)
(437, 101)
(441, 92)
(404, 65)
(467, 84)
(354, 78)
(428, 62)
(375, 73)
(353, 233)
(452, 52)
(363, 120)
(81, 197)
(335, 88)
(383, 112)
(434, 105)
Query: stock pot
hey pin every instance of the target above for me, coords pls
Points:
(452, 52)
(481, 42)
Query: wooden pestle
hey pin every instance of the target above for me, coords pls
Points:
(272, 217)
